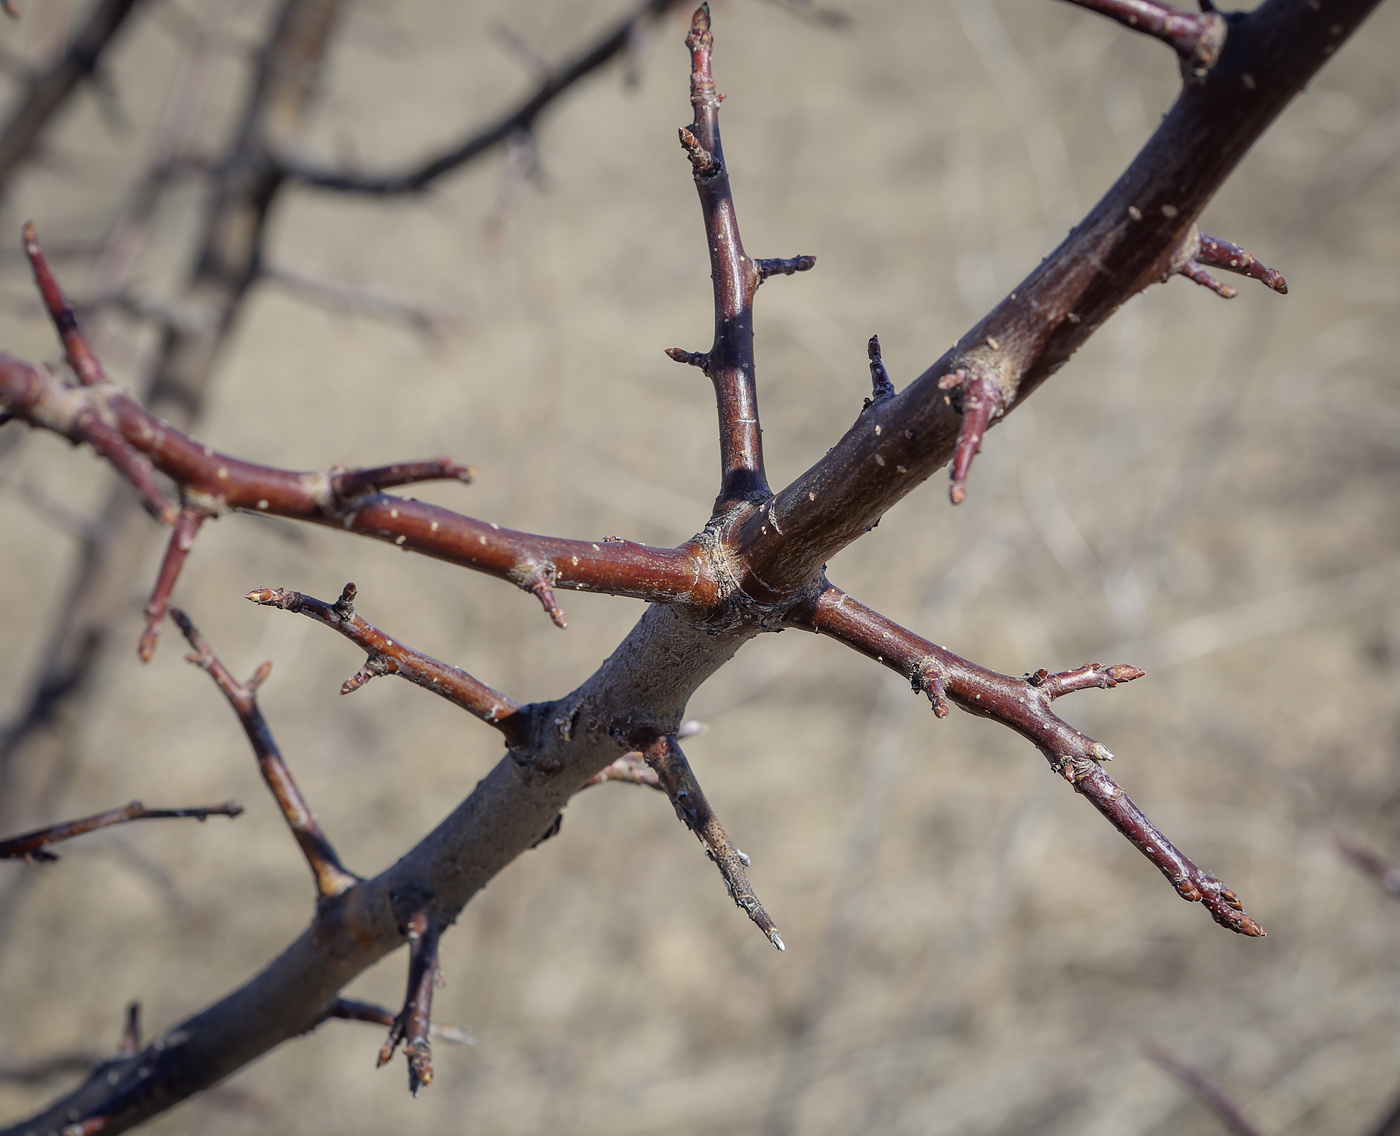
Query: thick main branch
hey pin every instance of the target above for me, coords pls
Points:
(1134, 237)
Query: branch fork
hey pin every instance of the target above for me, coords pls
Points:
(1023, 704)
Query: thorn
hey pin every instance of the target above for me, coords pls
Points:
(1232, 258)
(978, 399)
(131, 1031)
(545, 594)
(930, 682)
(881, 387)
(373, 668)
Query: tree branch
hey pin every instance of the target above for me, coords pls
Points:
(1204, 1088)
(519, 120)
(1196, 38)
(674, 774)
(350, 1010)
(331, 878)
(730, 361)
(215, 483)
(1023, 704)
(385, 656)
(1132, 238)
(50, 89)
(31, 846)
(411, 1026)
(1369, 862)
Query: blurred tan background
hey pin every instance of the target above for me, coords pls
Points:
(1208, 491)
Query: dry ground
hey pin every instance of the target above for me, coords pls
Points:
(1209, 490)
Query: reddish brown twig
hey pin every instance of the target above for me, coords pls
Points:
(387, 656)
(664, 755)
(1024, 706)
(539, 587)
(1194, 272)
(349, 485)
(1091, 676)
(75, 345)
(690, 358)
(1375, 866)
(730, 361)
(181, 541)
(87, 421)
(31, 846)
(880, 386)
(1128, 241)
(1232, 258)
(974, 393)
(353, 1011)
(215, 482)
(331, 878)
(1204, 1087)
(1198, 39)
(772, 267)
(413, 1022)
